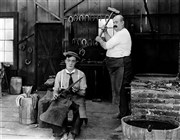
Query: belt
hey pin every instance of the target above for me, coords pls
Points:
(117, 57)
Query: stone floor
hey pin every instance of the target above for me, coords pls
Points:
(100, 123)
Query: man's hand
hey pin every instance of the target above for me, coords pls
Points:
(104, 28)
(55, 96)
(75, 89)
(98, 39)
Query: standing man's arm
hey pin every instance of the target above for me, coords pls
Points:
(106, 34)
(101, 41)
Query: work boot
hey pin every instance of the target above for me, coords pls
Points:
(71, 136)
(119, 128)
(64, 137)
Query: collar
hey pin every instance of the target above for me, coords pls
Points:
(73, 71)
(119, 29)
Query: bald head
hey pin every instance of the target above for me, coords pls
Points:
(118, 22)
(119, 17)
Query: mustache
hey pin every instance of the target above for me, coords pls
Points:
(115, 26)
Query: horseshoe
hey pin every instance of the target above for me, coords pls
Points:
(74, 41)
(81, 17)
(95, 43)
(82, 52)
(84, 42)
(70, 19)
(30, 49)
(90, 43)
(106, 17)
(92, 17)
(87, 18)
(96, 17)
(78, 41)
(22, 47)
(99, 16)
(75, 17)
(27, 61)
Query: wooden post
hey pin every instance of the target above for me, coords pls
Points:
(1, 77)
(0, 88)
(179, 62)
(61, 13)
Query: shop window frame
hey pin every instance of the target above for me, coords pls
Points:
(13, 15)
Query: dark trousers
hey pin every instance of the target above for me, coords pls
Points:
(77, 121)
(75, 124)
(120, 72)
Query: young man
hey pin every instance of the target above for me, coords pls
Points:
(74, 99)
(118, 63)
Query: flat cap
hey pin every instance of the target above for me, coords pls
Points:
(71, 53)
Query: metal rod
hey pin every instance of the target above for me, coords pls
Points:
(106, 24)
(70, 86)
(26, 38)
(148, 15)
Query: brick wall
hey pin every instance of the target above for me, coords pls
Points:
(151, 98)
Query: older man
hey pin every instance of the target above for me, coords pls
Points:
(118, 63)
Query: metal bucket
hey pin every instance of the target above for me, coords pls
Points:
(28, 110)
(150, 128)
(15, 85)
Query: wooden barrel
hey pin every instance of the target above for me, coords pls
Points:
(15, 85)
(150, 128)
(27, 111)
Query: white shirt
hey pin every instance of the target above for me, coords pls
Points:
(62, 80)
(119, 45)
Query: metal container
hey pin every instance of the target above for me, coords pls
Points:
(28, 110)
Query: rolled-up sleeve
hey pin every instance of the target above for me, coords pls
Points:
(83, 86)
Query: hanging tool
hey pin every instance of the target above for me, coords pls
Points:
(148, 15)
(25, 39)
(113, 11)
